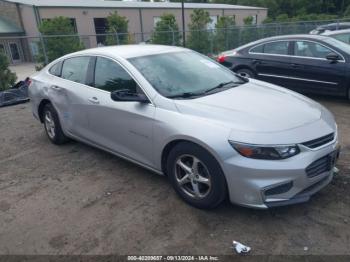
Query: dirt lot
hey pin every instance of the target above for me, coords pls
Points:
(76, 199)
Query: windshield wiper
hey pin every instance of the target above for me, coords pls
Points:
(223, 85)
(185, 95)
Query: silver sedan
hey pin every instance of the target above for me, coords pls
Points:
(171, 110)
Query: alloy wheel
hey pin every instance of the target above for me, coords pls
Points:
(50, 125)
(192, 176)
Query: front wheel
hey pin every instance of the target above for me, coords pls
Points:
(196, 176)
(53, 126)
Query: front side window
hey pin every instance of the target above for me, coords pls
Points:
(277, 48)
(180, 73)
(110, 76)
(311, 49)
(75, 69)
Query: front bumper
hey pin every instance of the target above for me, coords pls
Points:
(264, 184)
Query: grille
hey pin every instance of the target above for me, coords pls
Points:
(320, 166)
(319, 141)
(279, 189)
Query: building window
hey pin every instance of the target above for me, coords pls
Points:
(213, 22)
(156, 19)
(101, 27)
(255, 19)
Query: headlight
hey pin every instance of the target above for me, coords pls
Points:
(265, 152)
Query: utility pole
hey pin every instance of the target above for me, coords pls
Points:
(183, 23)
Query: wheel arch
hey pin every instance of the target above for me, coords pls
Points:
(171, 144)
(239, 67)
(41, 107)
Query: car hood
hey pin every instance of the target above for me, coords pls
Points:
(254, 107)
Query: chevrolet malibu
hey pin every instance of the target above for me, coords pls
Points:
(213, 133)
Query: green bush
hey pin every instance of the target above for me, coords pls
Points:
(166, 31)
(7, 78)
(56, 47)
(199, 37)
(117, 25)
(226, 34)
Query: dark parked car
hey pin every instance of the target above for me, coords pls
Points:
(304, 63)
(330, 27)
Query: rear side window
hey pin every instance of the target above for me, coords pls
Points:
(274, 48)
(75, 69)
(56, 69)
(278, 48)
(110, 76)
(257, 49)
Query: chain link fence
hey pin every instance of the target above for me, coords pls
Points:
(45, 48)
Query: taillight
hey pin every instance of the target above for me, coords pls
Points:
(221, 58)
(28, 82)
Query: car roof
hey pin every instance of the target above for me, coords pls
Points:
(334, 25)
(337, 32)
(284, 37)
(129, 51)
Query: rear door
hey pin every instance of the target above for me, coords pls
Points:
(312, 72)
(272, 62)
(70, 95)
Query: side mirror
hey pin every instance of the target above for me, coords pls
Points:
(126, 96)
(333, 57)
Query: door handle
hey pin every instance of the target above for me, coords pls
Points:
(56, 87)
(94, 100)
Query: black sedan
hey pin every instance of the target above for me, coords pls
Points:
(304, 63)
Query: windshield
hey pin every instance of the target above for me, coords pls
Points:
(185, 74)
(341, 45)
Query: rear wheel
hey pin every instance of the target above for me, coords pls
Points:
(245, 73)
(52, 125)
(196, 176)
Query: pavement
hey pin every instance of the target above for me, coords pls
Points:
(75, 199)
(23, 70)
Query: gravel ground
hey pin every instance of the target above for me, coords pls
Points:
(75, 199)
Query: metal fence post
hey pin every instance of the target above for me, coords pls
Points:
(46, 59)
(117, 38)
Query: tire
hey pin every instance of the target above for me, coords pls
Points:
(246, 73)
(348, 95)
(205, 187)
(52, 126)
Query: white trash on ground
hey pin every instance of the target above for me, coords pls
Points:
(240, 248)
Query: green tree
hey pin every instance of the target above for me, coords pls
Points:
(118, 28)
(56, 47)
(199, 37)
(248, 32)
(226, 34)
(7, 78)
(166, 31)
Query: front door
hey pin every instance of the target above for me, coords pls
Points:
(313, 73)
(15, 52)
(123, 127)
